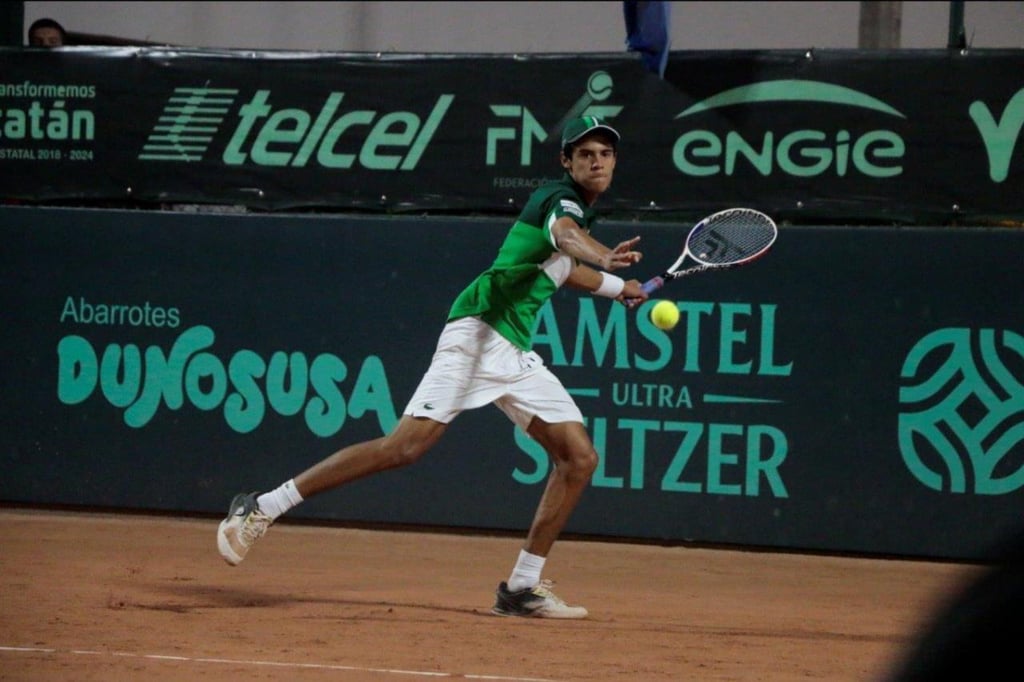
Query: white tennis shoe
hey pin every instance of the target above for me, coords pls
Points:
(244, 525)
(534, 602)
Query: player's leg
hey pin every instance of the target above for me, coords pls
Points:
(574, 461)
(251, 514)
(436, 402)
(410, 439)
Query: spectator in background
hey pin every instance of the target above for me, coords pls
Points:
(46, 33)
(647, 32)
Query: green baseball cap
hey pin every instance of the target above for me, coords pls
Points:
(584, 125)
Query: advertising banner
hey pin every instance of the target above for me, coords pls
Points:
(890, 137)
(856, 390)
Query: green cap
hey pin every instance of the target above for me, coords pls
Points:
(584, 125)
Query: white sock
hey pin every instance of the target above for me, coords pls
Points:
(527, 570)
(279, 500)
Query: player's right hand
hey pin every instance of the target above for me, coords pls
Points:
(633, 294)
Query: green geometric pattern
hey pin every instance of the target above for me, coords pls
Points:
(963, 413)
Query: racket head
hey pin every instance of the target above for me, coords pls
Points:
(731, 237)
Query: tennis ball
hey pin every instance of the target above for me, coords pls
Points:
(665, 315)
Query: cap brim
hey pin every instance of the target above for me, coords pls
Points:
(600, 126)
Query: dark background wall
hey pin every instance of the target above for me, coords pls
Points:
(859, 390)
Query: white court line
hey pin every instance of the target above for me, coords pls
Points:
(275, 664)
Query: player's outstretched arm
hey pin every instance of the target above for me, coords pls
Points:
(572, 240)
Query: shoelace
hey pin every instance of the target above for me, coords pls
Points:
(544, 587)
(254, 527)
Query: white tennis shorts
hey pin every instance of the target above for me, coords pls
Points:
(474, 365)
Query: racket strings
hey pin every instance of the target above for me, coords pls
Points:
(731, 237)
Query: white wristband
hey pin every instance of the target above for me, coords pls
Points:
(611, 285)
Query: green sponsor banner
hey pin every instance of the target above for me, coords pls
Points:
(857, 390)
(925, 136)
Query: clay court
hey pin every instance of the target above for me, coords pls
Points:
(91, 596)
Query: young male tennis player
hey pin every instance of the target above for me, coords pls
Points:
(484, 356)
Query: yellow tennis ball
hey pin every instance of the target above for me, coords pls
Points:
(665, 315)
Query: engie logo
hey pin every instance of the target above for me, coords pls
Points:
(268, 136)
(962, 423)
(800, 152)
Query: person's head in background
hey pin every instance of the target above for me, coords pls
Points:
(46, 33)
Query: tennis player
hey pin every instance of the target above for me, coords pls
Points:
(484, 356)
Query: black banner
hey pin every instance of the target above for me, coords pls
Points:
(926, 136)
(857, 390)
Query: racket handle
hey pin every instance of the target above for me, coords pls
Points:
(649, 287)
(652, 285)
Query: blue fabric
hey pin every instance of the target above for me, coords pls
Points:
(647, 32)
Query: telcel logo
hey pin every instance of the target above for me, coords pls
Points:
(290, 137)
(268, 136)
(801, 153)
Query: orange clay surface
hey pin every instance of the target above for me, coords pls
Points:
(91, 596)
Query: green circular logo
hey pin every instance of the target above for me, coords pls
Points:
(961, 425)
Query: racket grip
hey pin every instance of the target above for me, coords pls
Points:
(649, 287)
(652, 285)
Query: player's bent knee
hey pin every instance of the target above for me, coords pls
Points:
(581, 464)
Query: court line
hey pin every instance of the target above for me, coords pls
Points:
(273, 664)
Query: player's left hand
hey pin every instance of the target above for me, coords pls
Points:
(623, 255)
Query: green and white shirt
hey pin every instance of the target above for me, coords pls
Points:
(529, 268)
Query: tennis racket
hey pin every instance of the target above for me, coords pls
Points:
(732, 237)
